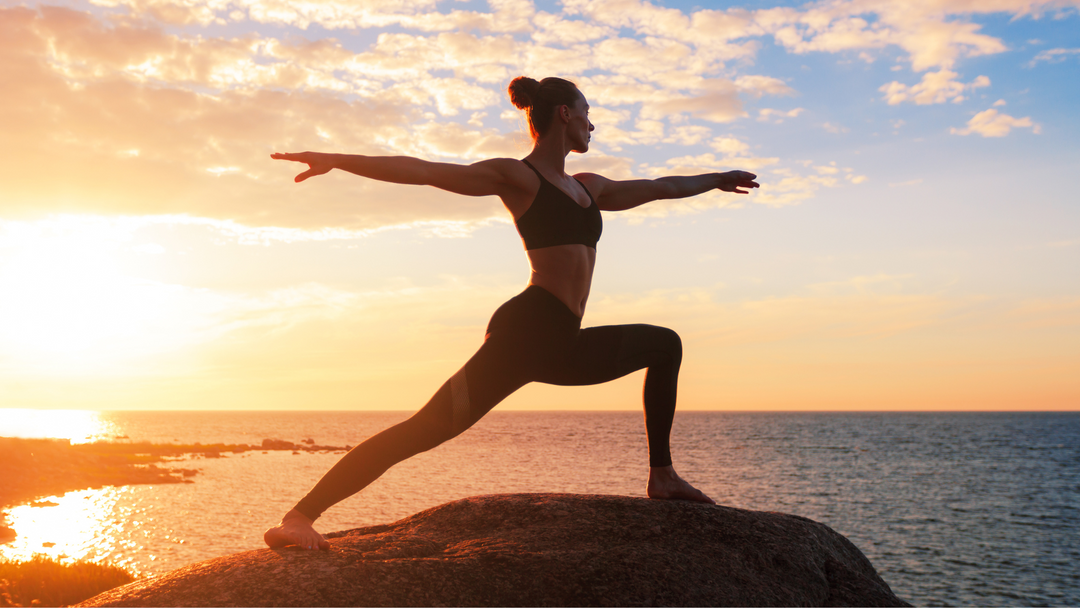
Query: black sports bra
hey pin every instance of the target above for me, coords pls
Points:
(556, 219)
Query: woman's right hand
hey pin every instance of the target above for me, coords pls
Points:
(732, 181)
(317, 162)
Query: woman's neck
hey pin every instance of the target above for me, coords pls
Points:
(549, 152)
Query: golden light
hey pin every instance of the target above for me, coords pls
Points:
(81, 525)
(78, 426)
(65, 306)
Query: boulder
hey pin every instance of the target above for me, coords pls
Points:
(542, 550)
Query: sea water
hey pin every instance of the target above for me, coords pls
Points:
(951, 508)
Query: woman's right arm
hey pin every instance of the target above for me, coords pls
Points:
(488, 177)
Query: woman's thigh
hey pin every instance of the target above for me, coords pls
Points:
(498, 368)
(608, 352)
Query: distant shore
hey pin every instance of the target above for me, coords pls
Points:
(35, 468)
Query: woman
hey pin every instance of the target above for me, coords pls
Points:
(537, 335)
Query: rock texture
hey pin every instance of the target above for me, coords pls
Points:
(539, 550)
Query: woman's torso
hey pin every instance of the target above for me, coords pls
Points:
(565, 270)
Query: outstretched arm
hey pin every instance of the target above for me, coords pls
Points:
(614, 195)
(488, 177)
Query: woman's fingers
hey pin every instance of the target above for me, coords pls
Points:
(313, 170)
(300, 157)
(311, 160)
(740, 179)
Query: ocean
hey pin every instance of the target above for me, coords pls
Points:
(951, 508)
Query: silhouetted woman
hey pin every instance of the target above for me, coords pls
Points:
(537, 335)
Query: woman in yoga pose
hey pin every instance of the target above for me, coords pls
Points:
(537, 335)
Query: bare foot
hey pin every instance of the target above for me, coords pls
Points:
(295, 529)
(665, 484)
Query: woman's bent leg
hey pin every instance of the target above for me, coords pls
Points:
(609, 352)
(605, 353)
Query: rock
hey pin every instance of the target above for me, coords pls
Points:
(277, 444)
(540, 550)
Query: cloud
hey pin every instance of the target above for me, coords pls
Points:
(127, 144)
(762, 85)
(783, 186)
(933, 33)
(777, 116)
(140, 116)
(687, 135)
(935, 87)
(780, 186)
(1054, 56)
(505, 15)
(921, 29)
(729, 146)
(991, 123)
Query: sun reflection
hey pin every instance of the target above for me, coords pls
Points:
(80, 426)
(75, 526)
(107, 525)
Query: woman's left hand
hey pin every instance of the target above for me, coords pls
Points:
(733, 180)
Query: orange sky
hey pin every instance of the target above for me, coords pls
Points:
(914, 244)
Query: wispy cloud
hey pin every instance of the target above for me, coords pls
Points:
(935, 87)
(991, 123)
(1054, 55)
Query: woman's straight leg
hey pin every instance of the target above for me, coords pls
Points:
(480, 385)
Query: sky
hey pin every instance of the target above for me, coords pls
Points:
(914, 245)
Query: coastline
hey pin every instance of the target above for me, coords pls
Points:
(33, 469)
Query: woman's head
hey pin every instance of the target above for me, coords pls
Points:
(540, 100)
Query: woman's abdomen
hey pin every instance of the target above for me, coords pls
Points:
(565, 271)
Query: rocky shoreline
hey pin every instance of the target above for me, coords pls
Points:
(35, 468)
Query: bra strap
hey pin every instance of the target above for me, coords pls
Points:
(535, 170)
(583, 187)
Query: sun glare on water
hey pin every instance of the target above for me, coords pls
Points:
(80, 525)
(78, 426)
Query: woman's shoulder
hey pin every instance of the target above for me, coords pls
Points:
(593, 181)
(513, 170)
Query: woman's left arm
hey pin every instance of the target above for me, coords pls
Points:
(614, 195)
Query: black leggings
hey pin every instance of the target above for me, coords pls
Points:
(532, 338)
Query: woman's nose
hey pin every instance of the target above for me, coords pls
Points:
(591, 127)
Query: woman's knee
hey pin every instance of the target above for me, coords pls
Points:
(668, 341)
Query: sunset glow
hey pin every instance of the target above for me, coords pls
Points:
(914, 244)
(77, 426)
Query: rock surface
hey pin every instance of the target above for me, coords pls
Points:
(537, 550)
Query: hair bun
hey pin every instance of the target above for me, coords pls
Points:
(523, 92)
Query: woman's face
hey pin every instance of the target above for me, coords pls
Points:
(579, 126)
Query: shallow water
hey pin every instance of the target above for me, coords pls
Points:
(952, 509)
